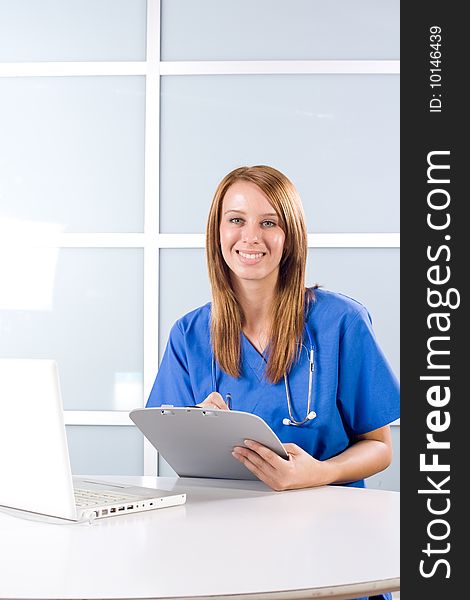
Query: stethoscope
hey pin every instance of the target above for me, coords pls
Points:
(311, 414)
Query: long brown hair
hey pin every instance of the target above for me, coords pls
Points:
(289, 304)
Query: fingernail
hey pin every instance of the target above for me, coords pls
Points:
(248, 443)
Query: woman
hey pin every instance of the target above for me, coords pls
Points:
(305, 360)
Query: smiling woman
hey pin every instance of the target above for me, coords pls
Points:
(305, 360)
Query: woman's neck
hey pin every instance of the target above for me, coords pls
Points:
(255, 299)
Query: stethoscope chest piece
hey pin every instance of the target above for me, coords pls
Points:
(311, 415)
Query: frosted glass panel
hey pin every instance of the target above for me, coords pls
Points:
(335, 136)
(105, 450)
(72, 153)
(370, 276)
(164, 469)
(276, 29)
(184, 286)
(82, 307)
(72, 30)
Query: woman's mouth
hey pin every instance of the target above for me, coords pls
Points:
(250, 258)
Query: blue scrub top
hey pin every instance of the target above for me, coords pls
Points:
(354, 389)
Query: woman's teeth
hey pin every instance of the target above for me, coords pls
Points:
(250, 256)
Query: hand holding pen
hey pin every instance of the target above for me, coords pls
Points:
(215, 400)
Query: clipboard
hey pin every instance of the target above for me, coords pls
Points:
(198, 442)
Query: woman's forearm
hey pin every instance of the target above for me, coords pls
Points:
(363, 459)
(371, 454)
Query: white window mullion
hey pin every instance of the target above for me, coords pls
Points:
(151, 223)
(23, 239)
(72, 69)
(208, 67)
(280, 67)
(354, 240)
(97, 417)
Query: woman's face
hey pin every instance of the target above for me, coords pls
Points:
(251, 239)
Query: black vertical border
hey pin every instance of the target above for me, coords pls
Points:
(422, 132)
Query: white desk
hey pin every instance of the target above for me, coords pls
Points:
(230, 539)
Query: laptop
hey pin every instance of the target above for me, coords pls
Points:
(35, 472)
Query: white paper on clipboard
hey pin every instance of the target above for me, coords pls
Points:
(198, 442)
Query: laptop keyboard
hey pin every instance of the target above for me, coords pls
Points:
(85, 498)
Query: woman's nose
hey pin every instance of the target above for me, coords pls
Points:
(251, 233)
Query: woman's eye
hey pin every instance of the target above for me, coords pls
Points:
(269, 223)
(235, 220)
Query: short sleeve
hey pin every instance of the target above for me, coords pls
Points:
(172, 384)
(368, 391)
